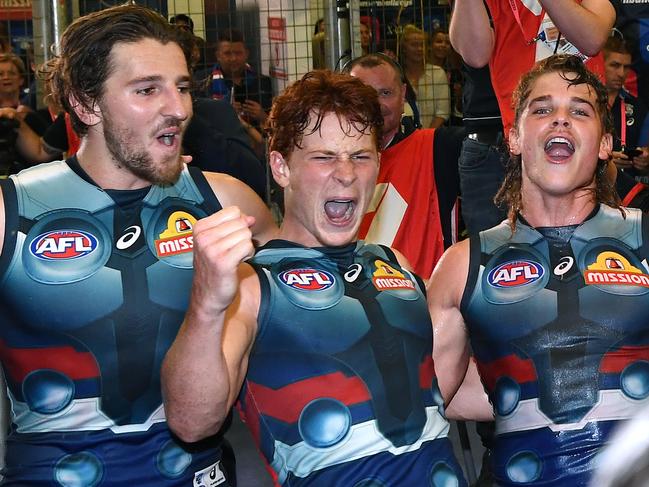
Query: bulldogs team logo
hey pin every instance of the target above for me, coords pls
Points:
(308, 279)
(386, 277)
(63, 245)
(515, 273)
(178, 238)
(613, 268)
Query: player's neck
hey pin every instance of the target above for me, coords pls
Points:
(544, 210)
(95, 159)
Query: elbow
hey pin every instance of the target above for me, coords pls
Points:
(592, 45)
(476, 52)
(593, 48)
(476, 58)
(476, 61)
(192, 431)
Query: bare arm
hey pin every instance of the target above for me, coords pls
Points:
(232, 192)
(203, 369)
(28, 142)
(450, 341)
(586, 25)
(470, 402)
(470, 32)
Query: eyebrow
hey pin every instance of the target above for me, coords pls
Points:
(156, 78)
(574, 99)
(333, 152)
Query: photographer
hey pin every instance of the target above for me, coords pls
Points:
(18, 123)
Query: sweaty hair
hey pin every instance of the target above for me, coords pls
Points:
(573, 70)
(318, 93)
(78, 73)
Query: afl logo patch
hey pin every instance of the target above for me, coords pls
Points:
(515, 273)
(63, 245)
(307, 279)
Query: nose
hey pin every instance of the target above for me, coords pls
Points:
(561, 118)
(178, 104)
(345, 171)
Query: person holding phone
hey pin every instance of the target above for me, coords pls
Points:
(630, 153)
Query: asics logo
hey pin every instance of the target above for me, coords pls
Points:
(131, 234)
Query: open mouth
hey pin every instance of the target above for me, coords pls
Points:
(339, 210)
(559, 148)
(167, 139)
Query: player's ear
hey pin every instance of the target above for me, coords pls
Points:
(605, 146)
(279, 168)
(514, 142)
(89, 116)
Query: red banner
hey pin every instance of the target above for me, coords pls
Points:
(15, 9)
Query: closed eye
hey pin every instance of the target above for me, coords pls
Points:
(361, 157)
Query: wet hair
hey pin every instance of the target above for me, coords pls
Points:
(318, 93)
(572, 70)
(78, 73)
(15, 60)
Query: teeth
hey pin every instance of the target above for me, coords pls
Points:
(559, 140)
(167, 139)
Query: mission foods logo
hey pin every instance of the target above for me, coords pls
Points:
(63, 245)
(307, 279)
(613, 268)
(386, 277)
(178, 238)
(515, 273)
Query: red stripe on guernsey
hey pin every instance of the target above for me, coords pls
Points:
(251, 420)
(521, 370)
(287, 403)
(614, 362)
(18, 362)
(426, 373)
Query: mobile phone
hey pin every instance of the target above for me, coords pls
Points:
(631, 153)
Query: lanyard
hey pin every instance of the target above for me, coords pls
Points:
(517, 16)
(622, 122)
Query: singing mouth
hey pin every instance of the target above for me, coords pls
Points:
(339, 210)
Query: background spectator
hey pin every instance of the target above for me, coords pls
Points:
(428, 81)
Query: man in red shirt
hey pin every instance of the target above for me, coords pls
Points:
(413, 208)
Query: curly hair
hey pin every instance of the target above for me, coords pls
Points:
(572, 70)
(78, 73)
(318, 93)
